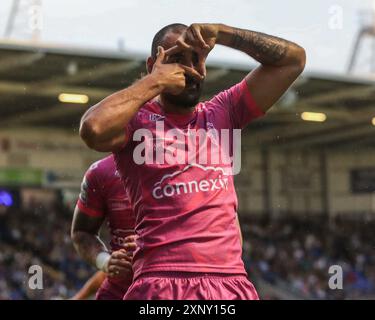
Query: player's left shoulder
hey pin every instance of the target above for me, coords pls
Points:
(102, 168)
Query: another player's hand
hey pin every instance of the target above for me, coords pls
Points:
(172, 75)
(200, 37)
(120, 264)
(130, 244)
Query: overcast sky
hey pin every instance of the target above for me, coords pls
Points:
(325, 28)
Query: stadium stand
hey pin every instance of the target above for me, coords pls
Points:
(287, 258)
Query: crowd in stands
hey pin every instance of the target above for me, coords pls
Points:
(39, 236)
(293, 254)
(299, 254)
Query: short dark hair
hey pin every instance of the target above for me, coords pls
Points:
(159, 36)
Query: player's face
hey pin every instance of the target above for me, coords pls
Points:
(189, 97)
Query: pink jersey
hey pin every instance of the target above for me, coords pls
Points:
(103, 195)
(186, 213)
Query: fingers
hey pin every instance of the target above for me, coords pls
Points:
(173, 50)
(129, 243)
(160, 56)
(182, 44)
(202, 64)
(120, 259)
(198, 36)
(118, 271)
(119, 264)
(191, 72)
(202, 60)
(192, 38)
(125, 263)
(131, 246)
(133, 237)
(119, 254)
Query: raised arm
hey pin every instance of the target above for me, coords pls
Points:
(103, 125)
(281, 61)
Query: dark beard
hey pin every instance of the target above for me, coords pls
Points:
(187, 98)
(183, 100)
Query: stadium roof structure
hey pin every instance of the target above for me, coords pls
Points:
(33, 76)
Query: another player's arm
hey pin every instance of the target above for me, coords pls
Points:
(90, 287)
(281, 61)
(85, 236)
(103, 125)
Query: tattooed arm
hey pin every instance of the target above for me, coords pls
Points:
(266, 49)
(281, 61)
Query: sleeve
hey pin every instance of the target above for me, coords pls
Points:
(239, 103)
(91, 200)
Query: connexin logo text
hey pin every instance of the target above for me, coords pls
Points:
(161, 190)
